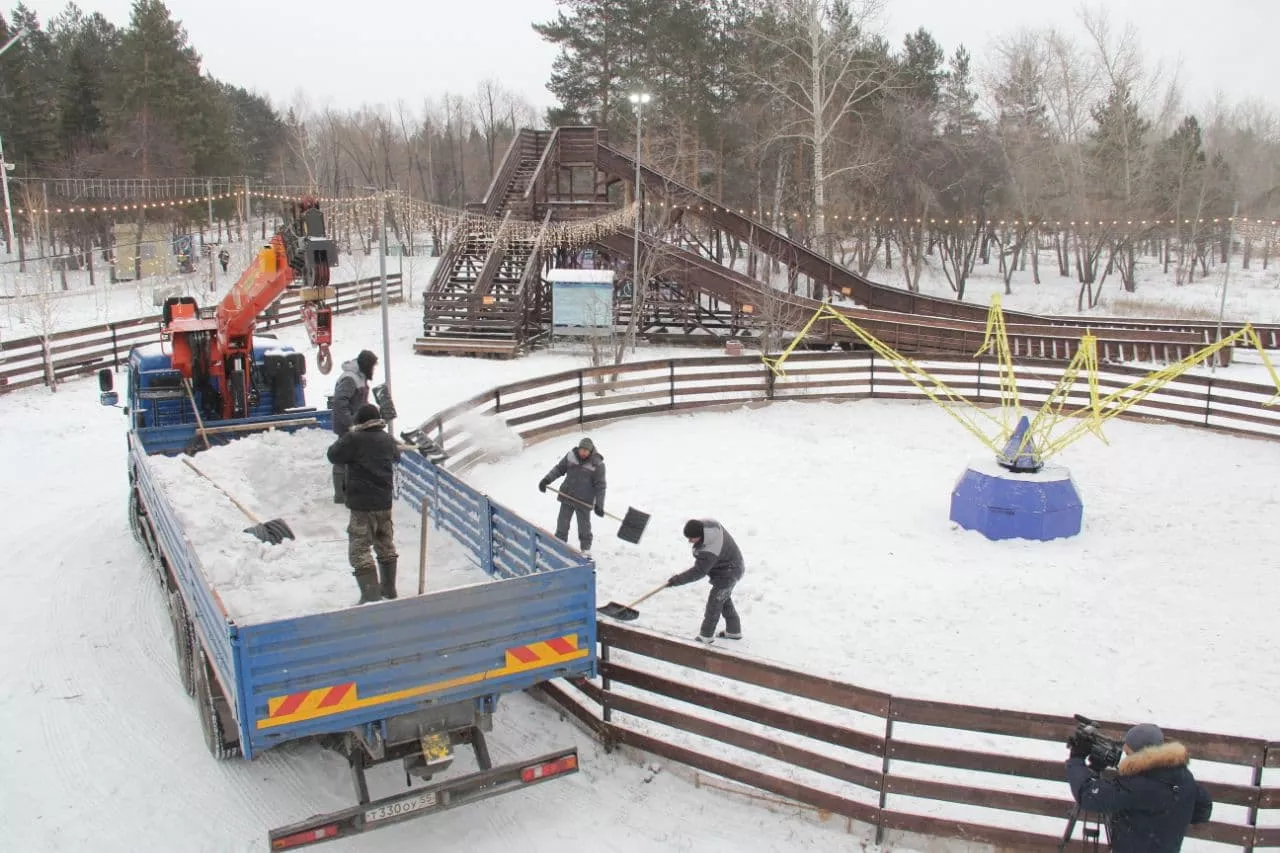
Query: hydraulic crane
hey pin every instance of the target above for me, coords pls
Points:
(216, 353)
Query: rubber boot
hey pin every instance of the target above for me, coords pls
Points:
(387, 575)
(369, 592)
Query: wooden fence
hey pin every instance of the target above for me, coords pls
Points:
(983, 775)
(549, 405)
(895, 763)
(41, 360)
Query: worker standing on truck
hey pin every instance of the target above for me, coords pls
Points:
(349, 394)
(583, 490)
(370, 455)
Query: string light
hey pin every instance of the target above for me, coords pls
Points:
(574, 234)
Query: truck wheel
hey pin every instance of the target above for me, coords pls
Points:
(182, 641)
(215, 737)
(135, 517)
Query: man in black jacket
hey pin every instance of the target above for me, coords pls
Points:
(717, 558)
(583, 490)
(349, 393)
(1150, 799)
(370, 455)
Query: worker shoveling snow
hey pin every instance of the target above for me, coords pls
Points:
(286, 475)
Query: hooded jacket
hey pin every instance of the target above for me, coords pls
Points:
(1151, 799)
(715, 557)
(370, 455)
(349, 394)
(584, 480)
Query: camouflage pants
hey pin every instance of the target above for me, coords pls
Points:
(370, 530)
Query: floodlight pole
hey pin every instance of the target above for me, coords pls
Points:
(1226, 277)
(639, 99)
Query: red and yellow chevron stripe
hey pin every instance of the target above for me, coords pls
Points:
(335, 699)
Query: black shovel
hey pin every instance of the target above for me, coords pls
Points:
(274, 531)
(633, 524)
(628, 612)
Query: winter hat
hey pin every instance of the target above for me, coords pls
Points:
(368, 412)
(586, 444)
(365, 361)
(1143, 735)
(693, 529)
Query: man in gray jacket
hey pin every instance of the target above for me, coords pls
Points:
(582, 491)
(717, 558)
(349, 394)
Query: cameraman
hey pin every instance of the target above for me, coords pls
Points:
(1150, 798)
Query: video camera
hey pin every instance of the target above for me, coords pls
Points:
(1103, 751)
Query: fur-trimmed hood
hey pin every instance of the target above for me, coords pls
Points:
(1168, 754)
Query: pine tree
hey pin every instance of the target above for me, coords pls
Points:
(156, 117)
(1115, 151)
(28, 96)
(86, 55)
(597, 56)
(959, 100)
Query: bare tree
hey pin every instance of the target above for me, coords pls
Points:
(829, 74)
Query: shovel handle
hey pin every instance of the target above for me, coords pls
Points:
(186, 383)
(225, 493)
(647, 596)
(572, 499)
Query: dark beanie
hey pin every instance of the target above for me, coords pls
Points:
(365, 361)
(368, 412)
(586, 444)
(1143, 735)
(693, 529)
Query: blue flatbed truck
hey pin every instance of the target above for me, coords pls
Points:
(403, 680)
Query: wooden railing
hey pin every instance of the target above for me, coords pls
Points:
(550, 405)
(983, 775)
(900, 764)
(40, 360)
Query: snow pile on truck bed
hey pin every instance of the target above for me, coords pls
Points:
(287, 476)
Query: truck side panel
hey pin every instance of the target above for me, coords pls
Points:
(503, 544)
(207, 614)
(332, 671)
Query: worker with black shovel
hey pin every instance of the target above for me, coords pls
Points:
(582, 491)
(715, 557)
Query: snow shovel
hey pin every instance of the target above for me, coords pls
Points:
(633, 524)
(274, 531)
(628, 612)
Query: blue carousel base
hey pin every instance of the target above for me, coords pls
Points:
(1000, 504)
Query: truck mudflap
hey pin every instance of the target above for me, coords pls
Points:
(427, 800)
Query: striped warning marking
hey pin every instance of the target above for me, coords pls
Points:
(325, 701)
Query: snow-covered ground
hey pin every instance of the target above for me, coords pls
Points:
(286, 476)
(853, 571)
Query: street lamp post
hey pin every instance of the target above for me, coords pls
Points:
(639, 99)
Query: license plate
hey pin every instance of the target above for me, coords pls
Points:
(401, 807)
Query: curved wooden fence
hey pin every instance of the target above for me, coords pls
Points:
(903, 765)
(47, 360)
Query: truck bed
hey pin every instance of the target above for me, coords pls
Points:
(285, 475)
(332, 671)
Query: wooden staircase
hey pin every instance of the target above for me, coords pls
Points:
(477, 303)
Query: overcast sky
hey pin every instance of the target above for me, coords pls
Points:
(346, 53)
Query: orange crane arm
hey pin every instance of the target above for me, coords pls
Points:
(260, 285)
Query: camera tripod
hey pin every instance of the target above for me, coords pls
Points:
(1090, 830)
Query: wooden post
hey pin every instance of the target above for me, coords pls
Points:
(422, 548)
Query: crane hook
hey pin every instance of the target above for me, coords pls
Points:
(324, 360)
